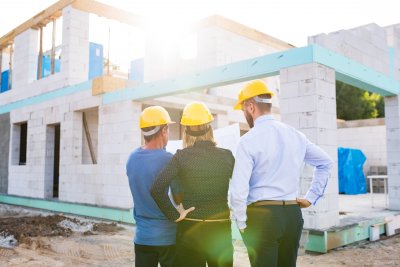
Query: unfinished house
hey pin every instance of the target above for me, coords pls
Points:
(76, 77)
(60, 141)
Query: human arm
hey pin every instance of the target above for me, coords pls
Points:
(323, 164)
(159, 192)
(239, 187)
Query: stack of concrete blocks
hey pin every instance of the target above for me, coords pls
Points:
(308, 103)
(366, 45)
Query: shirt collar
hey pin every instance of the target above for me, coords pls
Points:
(263, 118)
(204, 143)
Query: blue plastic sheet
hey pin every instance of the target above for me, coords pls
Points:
(351, 176)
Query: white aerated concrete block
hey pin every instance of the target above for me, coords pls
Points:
(374, 233)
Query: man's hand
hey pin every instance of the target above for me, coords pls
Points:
(242, 230)
(183, 213)
(303, 203)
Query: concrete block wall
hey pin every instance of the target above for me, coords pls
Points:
(28, 179)
(365, 44)
(392, 119)
(308, 103)
(92, 119)
(75, 45)
(104, 183)
(74, 59)
(24, 70)
(393, 40)
(5, 149)
(370, 139)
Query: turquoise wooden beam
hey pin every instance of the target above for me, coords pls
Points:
(347, 70)
(46, 96)
(113, 214)
(351, 72)
(259, 67)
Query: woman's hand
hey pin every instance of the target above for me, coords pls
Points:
(183, 213)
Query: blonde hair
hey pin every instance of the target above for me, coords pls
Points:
(189, 140)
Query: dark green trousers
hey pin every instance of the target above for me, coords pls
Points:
(201, 243)
(151, 256)
(272, 235)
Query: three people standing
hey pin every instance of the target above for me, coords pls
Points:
(263, 192)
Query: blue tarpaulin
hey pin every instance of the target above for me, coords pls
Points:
(351, 176)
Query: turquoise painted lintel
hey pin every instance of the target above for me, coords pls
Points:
(113, 214)
(354, 73)
(263, 66)
(46, 96)
(347, 70)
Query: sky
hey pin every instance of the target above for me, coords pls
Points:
(289, 20)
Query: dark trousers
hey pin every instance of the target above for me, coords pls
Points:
(150, 256)
(272, 235)
(199, 243)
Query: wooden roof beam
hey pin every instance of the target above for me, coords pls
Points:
(53, 10)
(107, 11)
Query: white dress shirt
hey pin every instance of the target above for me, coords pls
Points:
(268, 164)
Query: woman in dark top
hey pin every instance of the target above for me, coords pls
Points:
(203, 172)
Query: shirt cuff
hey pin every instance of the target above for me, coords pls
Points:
(241, 225)
(312, 197)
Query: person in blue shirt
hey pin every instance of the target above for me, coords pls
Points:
(265, 181)
(155, 234)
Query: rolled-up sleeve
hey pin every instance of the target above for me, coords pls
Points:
(323, 164)
(239, 187)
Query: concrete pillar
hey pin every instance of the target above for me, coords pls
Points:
(308, 103)
(25, 59)
(392, 119)
(75, 45)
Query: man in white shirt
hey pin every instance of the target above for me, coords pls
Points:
(265, 181)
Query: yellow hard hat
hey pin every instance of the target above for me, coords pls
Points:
(252, 89)
(196, 113)
(154, 116)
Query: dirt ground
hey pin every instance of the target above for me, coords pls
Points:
(43, 242)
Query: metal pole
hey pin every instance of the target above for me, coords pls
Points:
(40, 64)
(10, 68)
(53, 47)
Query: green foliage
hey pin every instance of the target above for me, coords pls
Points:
(356, 104)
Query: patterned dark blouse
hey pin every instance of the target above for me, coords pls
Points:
(203, 172)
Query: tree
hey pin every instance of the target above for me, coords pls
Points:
(353, 103)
